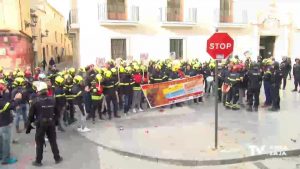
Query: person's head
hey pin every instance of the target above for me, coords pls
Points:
(42, 88)
(297, 60)
(3, 86)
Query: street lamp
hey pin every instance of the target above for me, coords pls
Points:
(45, 35)
(33, 22)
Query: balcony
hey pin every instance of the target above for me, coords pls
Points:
(73, 19)
(174, 17)
(113, 15)
(231, 19)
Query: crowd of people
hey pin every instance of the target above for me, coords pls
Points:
(116, 87)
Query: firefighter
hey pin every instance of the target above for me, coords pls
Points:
(233, 80)
(158, 75)
(126, 86)
(6, 118)
(21, 110)
(276, 79)
(109, 86)
(44, 114)
(77, 93)
(254, 80)
(70, 98)
(97, 97)
(60, 99)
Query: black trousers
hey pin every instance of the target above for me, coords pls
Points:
(42, 129)
(284, 82)
(253, 97)
(275, 97)
(296, 83)
(233, 95)
(111, 98)
(71, 108)
(96, 106)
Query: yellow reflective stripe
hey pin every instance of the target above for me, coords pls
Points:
(111, 86)
(157, 79)
(78, 93)
(132, 83)
(231, 79)
(5, 107)
(60, 95)
(136, 88)
(124, 84)
(97, 97)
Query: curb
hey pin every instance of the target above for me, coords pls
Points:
(181, 162)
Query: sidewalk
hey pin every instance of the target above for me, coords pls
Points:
(185, 136)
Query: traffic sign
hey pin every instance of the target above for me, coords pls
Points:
(220, 46)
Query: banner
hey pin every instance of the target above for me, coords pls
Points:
(166, 93)
(100, 62)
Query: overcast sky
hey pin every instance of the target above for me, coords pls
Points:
(63, 6)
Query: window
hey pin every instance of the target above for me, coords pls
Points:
(176, 47)
(116, 9)
(226, 11)
(175, 10)
(118, 48)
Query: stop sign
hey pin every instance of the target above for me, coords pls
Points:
(220, 46)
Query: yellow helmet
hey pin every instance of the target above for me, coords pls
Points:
(196, 66)
(20, 74)
(72, 71)
(1, 69)
(122, 69)
(6, 74)
(113, 70)
(99, 77)
(19, 81)
(104, 69)
(82, 69)
(136, 68)
(143, 68)
(77, 79)
(128, 69)
(175, 68)
(108, 74)
(59, 80)
(3, 82)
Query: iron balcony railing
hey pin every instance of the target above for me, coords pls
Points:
(231, 16)
(120, 13)
(178, 15)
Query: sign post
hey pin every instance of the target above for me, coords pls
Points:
(219, 46)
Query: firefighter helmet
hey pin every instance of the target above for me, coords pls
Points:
(77, 79)
(99, 77)
(108, 74)
(59, 80)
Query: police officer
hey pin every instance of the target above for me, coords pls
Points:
(254, 80)
(276, 79)
(284, 67)
(44, 114)
(296, 73)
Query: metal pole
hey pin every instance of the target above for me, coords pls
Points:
(216, 105)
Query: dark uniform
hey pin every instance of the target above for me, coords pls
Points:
(233, 80)
(254, 78)
(296, 73)
(276, 79)
(126, 87)
(60, 99)
(267, 86)
(109, 86)
(45, 116)
(97, 99)
(284, 67)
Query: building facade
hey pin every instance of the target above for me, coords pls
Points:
(16, 48)
(160, 29)
(49, 33)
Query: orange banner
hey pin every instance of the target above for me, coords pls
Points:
(166, 93)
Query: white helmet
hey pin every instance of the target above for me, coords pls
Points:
(41, 86)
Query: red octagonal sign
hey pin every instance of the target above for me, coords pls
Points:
(220, 46)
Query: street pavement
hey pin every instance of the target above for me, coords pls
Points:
(154, 139)
(187, 133)
(77, 152)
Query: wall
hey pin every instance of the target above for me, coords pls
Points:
(150, 37)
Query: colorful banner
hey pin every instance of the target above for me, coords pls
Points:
(166, 93)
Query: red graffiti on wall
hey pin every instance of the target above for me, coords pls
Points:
(16, 51)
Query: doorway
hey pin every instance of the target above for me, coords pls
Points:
(266, 46)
